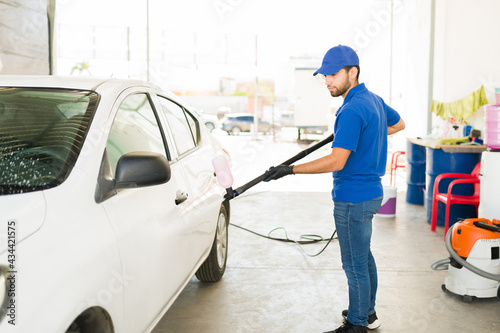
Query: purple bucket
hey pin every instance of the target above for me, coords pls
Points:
(388, 208)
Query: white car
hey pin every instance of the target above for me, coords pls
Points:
(211, 121)
(108, 204)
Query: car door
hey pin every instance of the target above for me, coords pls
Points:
(149, 222)
(247, 122)
(195, 159)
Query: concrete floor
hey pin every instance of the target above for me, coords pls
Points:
(271, 286)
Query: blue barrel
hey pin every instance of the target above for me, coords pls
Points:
(439, 162)
(415, 173)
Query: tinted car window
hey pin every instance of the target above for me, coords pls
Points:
(178, 122)
(135, 128)
(42, 133)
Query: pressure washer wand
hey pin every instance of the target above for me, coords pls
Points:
(295, 158)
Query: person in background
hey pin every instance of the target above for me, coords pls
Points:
(357, 161)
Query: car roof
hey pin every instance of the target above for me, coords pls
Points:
(87, 83)
(54, 81)
(99, 84)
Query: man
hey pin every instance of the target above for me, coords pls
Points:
(357, 161)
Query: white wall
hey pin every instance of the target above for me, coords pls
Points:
(467, 51)
(467, 55)
(24, 37)
(411, 65)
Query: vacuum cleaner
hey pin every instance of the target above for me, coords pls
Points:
(474, 265)
(223, 172)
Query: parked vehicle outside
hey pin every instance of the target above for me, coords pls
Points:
(242, 122)
(109, 204)
(211, 121)
(313, 103)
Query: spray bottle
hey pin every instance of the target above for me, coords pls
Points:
(223, 174)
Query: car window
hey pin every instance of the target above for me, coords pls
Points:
(41, 135)
(194, 125)
(178, 122)
(135, 128)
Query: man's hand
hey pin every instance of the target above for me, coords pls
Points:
(277, 172)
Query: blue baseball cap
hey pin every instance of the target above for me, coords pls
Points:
(337, 58)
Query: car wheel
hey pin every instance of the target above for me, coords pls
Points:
(236, 130)
(215, 265)
(93, 320)
(74, 328)
(210, 126)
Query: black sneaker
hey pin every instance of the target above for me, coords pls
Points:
(347, 327)
(373, 322)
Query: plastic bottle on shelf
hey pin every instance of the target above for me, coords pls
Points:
(492, 123)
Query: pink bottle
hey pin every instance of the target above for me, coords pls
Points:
(492, 123)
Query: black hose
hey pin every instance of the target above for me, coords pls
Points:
(306, 239)
(295, 158)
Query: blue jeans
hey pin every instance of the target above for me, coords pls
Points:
(353, 222)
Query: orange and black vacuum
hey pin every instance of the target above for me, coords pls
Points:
(474, 264)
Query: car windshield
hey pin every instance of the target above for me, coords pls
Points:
(41, 135)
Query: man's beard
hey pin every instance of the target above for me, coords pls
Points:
(342, 89)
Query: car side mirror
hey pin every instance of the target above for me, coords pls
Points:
(141, 169)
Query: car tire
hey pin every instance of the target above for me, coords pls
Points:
(93, 320)
(236, 130)
(214, 266)
(210, 126)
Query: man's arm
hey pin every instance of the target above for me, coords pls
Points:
(333, 162)
(399, 126)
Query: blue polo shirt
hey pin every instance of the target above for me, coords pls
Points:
(361, 127)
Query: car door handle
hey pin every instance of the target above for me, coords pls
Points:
(180, 197)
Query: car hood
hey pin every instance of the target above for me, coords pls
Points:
(24, 212)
